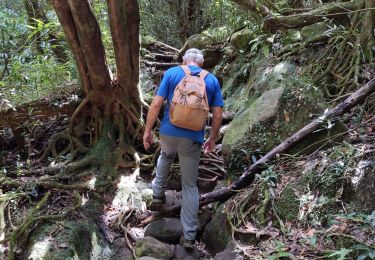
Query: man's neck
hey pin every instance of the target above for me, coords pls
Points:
(192, 64)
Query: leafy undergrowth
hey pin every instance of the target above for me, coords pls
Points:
(319, 206)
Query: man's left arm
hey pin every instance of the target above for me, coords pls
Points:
(209, 145)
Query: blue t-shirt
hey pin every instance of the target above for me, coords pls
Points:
(170, 81)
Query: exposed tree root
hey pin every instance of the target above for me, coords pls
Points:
(7, 182)
(20, 235)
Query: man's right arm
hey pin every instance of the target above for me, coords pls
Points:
(152, 115)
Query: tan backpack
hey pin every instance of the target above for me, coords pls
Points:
(189, 106)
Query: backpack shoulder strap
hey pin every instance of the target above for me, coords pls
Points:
(203, 74)
(186, 69)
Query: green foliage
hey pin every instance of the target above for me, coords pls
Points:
(217, 17)
(341, 254)
(25, 73)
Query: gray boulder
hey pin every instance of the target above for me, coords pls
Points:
(168, 230)
(149, 246)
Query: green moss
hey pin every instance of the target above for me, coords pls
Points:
(73, 240)
(288, 204)
(217, 234)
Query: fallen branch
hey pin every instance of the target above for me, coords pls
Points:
(160, 65)
(247, 177)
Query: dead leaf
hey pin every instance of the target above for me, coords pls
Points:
(286, 115)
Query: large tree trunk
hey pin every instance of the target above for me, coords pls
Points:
(189, 14)
(367, 39)
(107, 101)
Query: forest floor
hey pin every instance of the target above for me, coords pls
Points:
(355, 232)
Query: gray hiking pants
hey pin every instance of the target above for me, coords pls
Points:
(189, 154)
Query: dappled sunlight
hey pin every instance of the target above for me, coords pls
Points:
(40, 248)
(98, 251)
(91, 183)
(125, 187)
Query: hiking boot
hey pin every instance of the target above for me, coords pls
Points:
(187, 244)
(157, 203)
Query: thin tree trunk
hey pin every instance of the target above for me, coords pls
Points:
(368, 27)
(124, 20)
(89, 36)
(66, 20)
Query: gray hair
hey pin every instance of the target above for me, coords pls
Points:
(194, 55)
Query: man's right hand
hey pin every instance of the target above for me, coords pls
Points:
(148, 139)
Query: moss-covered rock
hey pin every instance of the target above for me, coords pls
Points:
(234, 77)
(284, 103)
(217, 235)
(240, 40)
(287, 205)
(313, 31)
(198, 41)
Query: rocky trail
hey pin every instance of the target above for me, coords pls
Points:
(314, 202)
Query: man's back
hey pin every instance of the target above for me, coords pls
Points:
(171, 79)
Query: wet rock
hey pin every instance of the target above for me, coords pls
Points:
(152, 247)
(240, 40)
(121, 251)
(168, 230)
(182, 254)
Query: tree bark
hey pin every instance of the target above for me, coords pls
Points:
(367, 39)
(124, 23)
(247, 177)
(89, 36)
(66, 20)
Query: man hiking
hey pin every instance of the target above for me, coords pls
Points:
(189, 92)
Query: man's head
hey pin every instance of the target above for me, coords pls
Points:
(193, 56)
